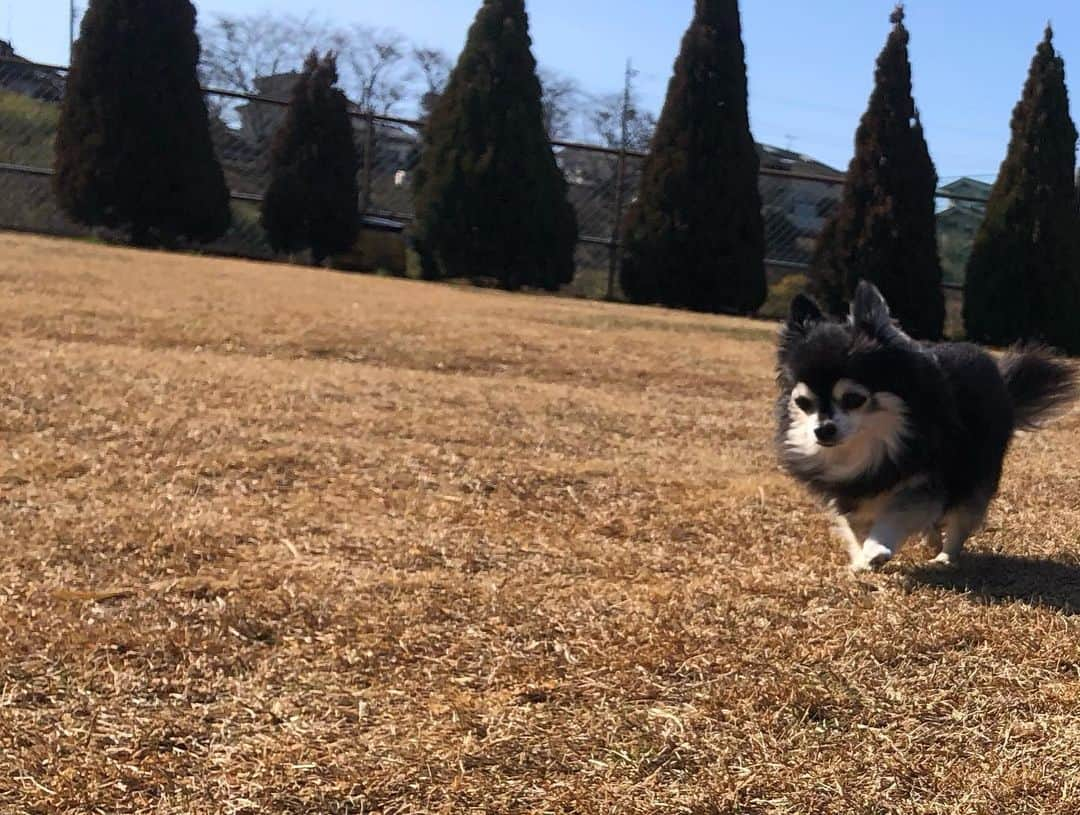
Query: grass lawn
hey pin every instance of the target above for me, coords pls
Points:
(282, 540)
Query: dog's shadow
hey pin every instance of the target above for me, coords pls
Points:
(994, 578)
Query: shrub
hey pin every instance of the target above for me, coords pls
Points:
(695, 237)
(27, 130)
(1023, 278)
(375, 251)
(312, 199)
(885, 229)
(491, 201)
(781, 293)
(133, 148)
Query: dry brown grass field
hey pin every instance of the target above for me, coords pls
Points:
(278, 540)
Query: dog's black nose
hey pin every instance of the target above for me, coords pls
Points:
(826, 432)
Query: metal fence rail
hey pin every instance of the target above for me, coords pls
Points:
(798, 196)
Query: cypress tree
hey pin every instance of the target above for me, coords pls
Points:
(1023, 276)
(133, 148)
(695, 236)
(491, 201)
(885, 229)
(312, 198)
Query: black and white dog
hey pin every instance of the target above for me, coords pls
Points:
(903, 438)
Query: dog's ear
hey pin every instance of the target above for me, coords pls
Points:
(870, 314)
(869, 308)
(804, 313)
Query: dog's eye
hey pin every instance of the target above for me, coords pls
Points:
(852, 401)
(805, 404)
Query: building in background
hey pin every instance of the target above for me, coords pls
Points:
(259, 121)
(798, 194)
(19, 75)
(957, 224)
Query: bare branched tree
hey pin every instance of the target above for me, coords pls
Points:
(562, 103)
(376, 65)
(434, 68)
(237, 50)
(377, 71)
(618, 120)
(382, 73)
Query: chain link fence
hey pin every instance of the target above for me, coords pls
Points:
(798, 194)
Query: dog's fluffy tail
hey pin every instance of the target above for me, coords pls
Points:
(1041, 385)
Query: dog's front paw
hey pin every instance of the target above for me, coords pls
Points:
(945, 561)
(872, 556)
(859, 565)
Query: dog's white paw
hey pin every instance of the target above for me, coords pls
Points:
(873, 556)
(945, 560)
(859, 565)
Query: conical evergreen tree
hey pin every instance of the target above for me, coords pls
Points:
(133, 149)
(1023, 279)
(885, 229)
(313, 193)
(695, 236)
(490, 200)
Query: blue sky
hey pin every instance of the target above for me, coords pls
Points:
(810, 63)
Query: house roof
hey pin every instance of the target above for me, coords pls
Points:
(956, 215)
(778, 158)
(276, 86)
(967, 186)
(772, 158)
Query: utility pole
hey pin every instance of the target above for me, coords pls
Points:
(627, 113)
(71, 33)
(615, 244)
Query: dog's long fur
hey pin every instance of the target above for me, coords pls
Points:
(901, 437)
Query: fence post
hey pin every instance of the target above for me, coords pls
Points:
(615, 244)
(369, 149)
